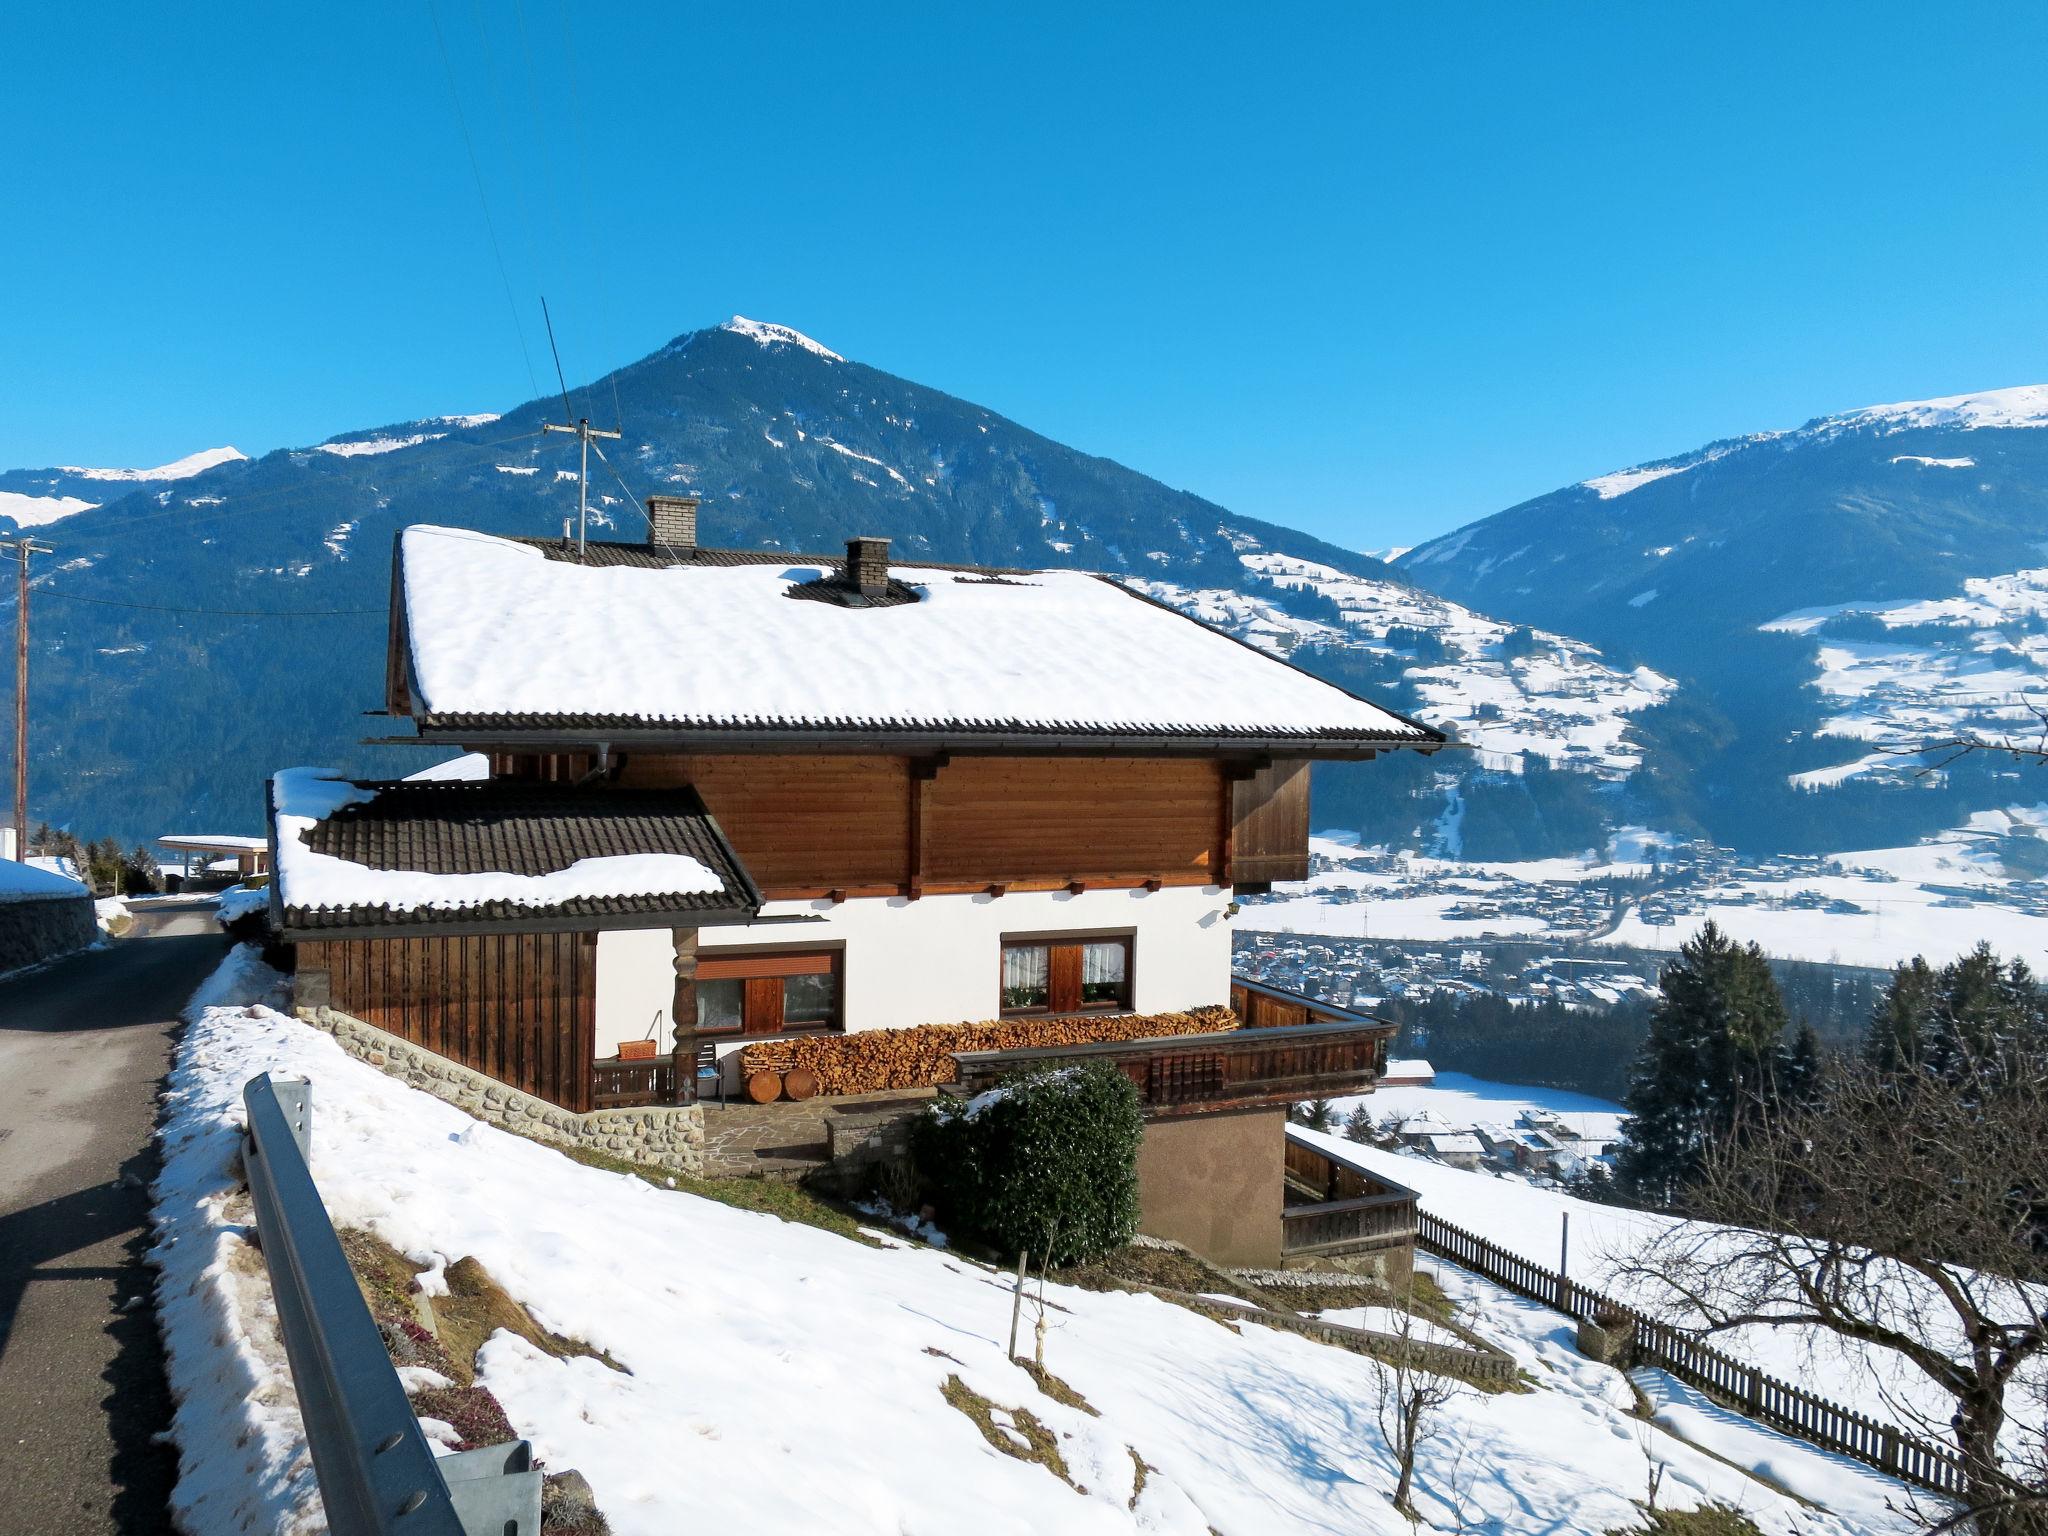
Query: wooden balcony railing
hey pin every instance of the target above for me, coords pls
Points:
(1357, 1211)
(1348, 1226)
(616, 1084)
(1262, 1006)
(1191, 1073)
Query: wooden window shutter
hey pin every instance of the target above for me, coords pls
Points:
(1269, 824)
(764, 1005)
(1065, 978)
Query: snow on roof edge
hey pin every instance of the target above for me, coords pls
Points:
(479, 652)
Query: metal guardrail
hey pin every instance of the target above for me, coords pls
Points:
(378, 1476)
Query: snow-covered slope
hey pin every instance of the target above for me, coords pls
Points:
(1538, 693)
(1873, 574)
(790, 1381)
(36, 498)
(178, 469)
(1898, 673)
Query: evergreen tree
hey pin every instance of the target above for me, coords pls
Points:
(1978, 1020)
(1317, 1115)
(1716, 1050)
(1358, 1124)
(139, 874)
(1893, 1042)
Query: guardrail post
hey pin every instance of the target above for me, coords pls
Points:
(378, 1476)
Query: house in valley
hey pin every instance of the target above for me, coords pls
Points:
(739, 795)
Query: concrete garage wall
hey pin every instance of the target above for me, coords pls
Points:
(1216, 1183)
(34, 929)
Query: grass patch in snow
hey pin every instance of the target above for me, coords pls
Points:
(791, 1202)
(476, 1307)
(1013, 1431)
(1144, 1264)
(446, 1333)
(1707, 1520)
(477, 1418)
(1056, 1389)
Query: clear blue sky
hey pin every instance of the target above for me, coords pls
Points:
(1372, 270)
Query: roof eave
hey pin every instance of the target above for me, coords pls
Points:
(485, 737)
(457, 925)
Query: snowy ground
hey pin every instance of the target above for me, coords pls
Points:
(1870, 907)
(790, 1380)
(1463, 1101)
(1528, 1221)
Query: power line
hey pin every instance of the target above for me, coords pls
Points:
(224, 613)
(476, 171)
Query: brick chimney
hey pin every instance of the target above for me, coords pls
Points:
(867, 565)
(672, 522)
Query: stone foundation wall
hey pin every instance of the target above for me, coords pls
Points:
(670, 1135)
(869, 1150)
(38, 928)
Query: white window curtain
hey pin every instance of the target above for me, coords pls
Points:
(1102, 965)
(1027, 976)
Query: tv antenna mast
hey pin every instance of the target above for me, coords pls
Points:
(21, 549)
(580, 426)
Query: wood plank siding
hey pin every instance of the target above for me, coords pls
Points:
(818, 824)
(1047, 821)
(1269, 824)
(519, 1007)
(802, 825)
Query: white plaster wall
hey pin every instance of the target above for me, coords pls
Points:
(937, 960)
(636, 976)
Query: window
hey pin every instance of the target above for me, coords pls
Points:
(1063, 974)
(767, 992)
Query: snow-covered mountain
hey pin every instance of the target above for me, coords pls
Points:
(149, 714)
(35, 498)
(1505, 692)
(1830, 598)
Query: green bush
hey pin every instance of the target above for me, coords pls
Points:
(1046, 1162)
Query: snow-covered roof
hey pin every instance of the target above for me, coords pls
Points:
(458, 853)
(507, 633)
(215, 842)
(25, 882)
(1408, 1069)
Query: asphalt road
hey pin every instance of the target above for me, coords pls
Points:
(84, 1045)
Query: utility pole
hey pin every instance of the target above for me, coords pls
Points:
(585, 431)
(21, 548)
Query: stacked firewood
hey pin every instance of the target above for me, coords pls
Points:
(875, 1059)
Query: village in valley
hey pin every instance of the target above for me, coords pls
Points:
(620, 928)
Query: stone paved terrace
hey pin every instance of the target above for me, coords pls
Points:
(789, 1139)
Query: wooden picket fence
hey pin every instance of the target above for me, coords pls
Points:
(1733, 1382)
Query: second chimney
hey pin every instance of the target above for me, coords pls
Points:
(672, 522)
(867, 565)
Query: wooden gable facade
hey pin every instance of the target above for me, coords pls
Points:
(848, 825)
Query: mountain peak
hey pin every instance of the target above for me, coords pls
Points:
(2023, 405)
(765, 333)
(177, 469)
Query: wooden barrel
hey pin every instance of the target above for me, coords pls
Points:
(764, 1087)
